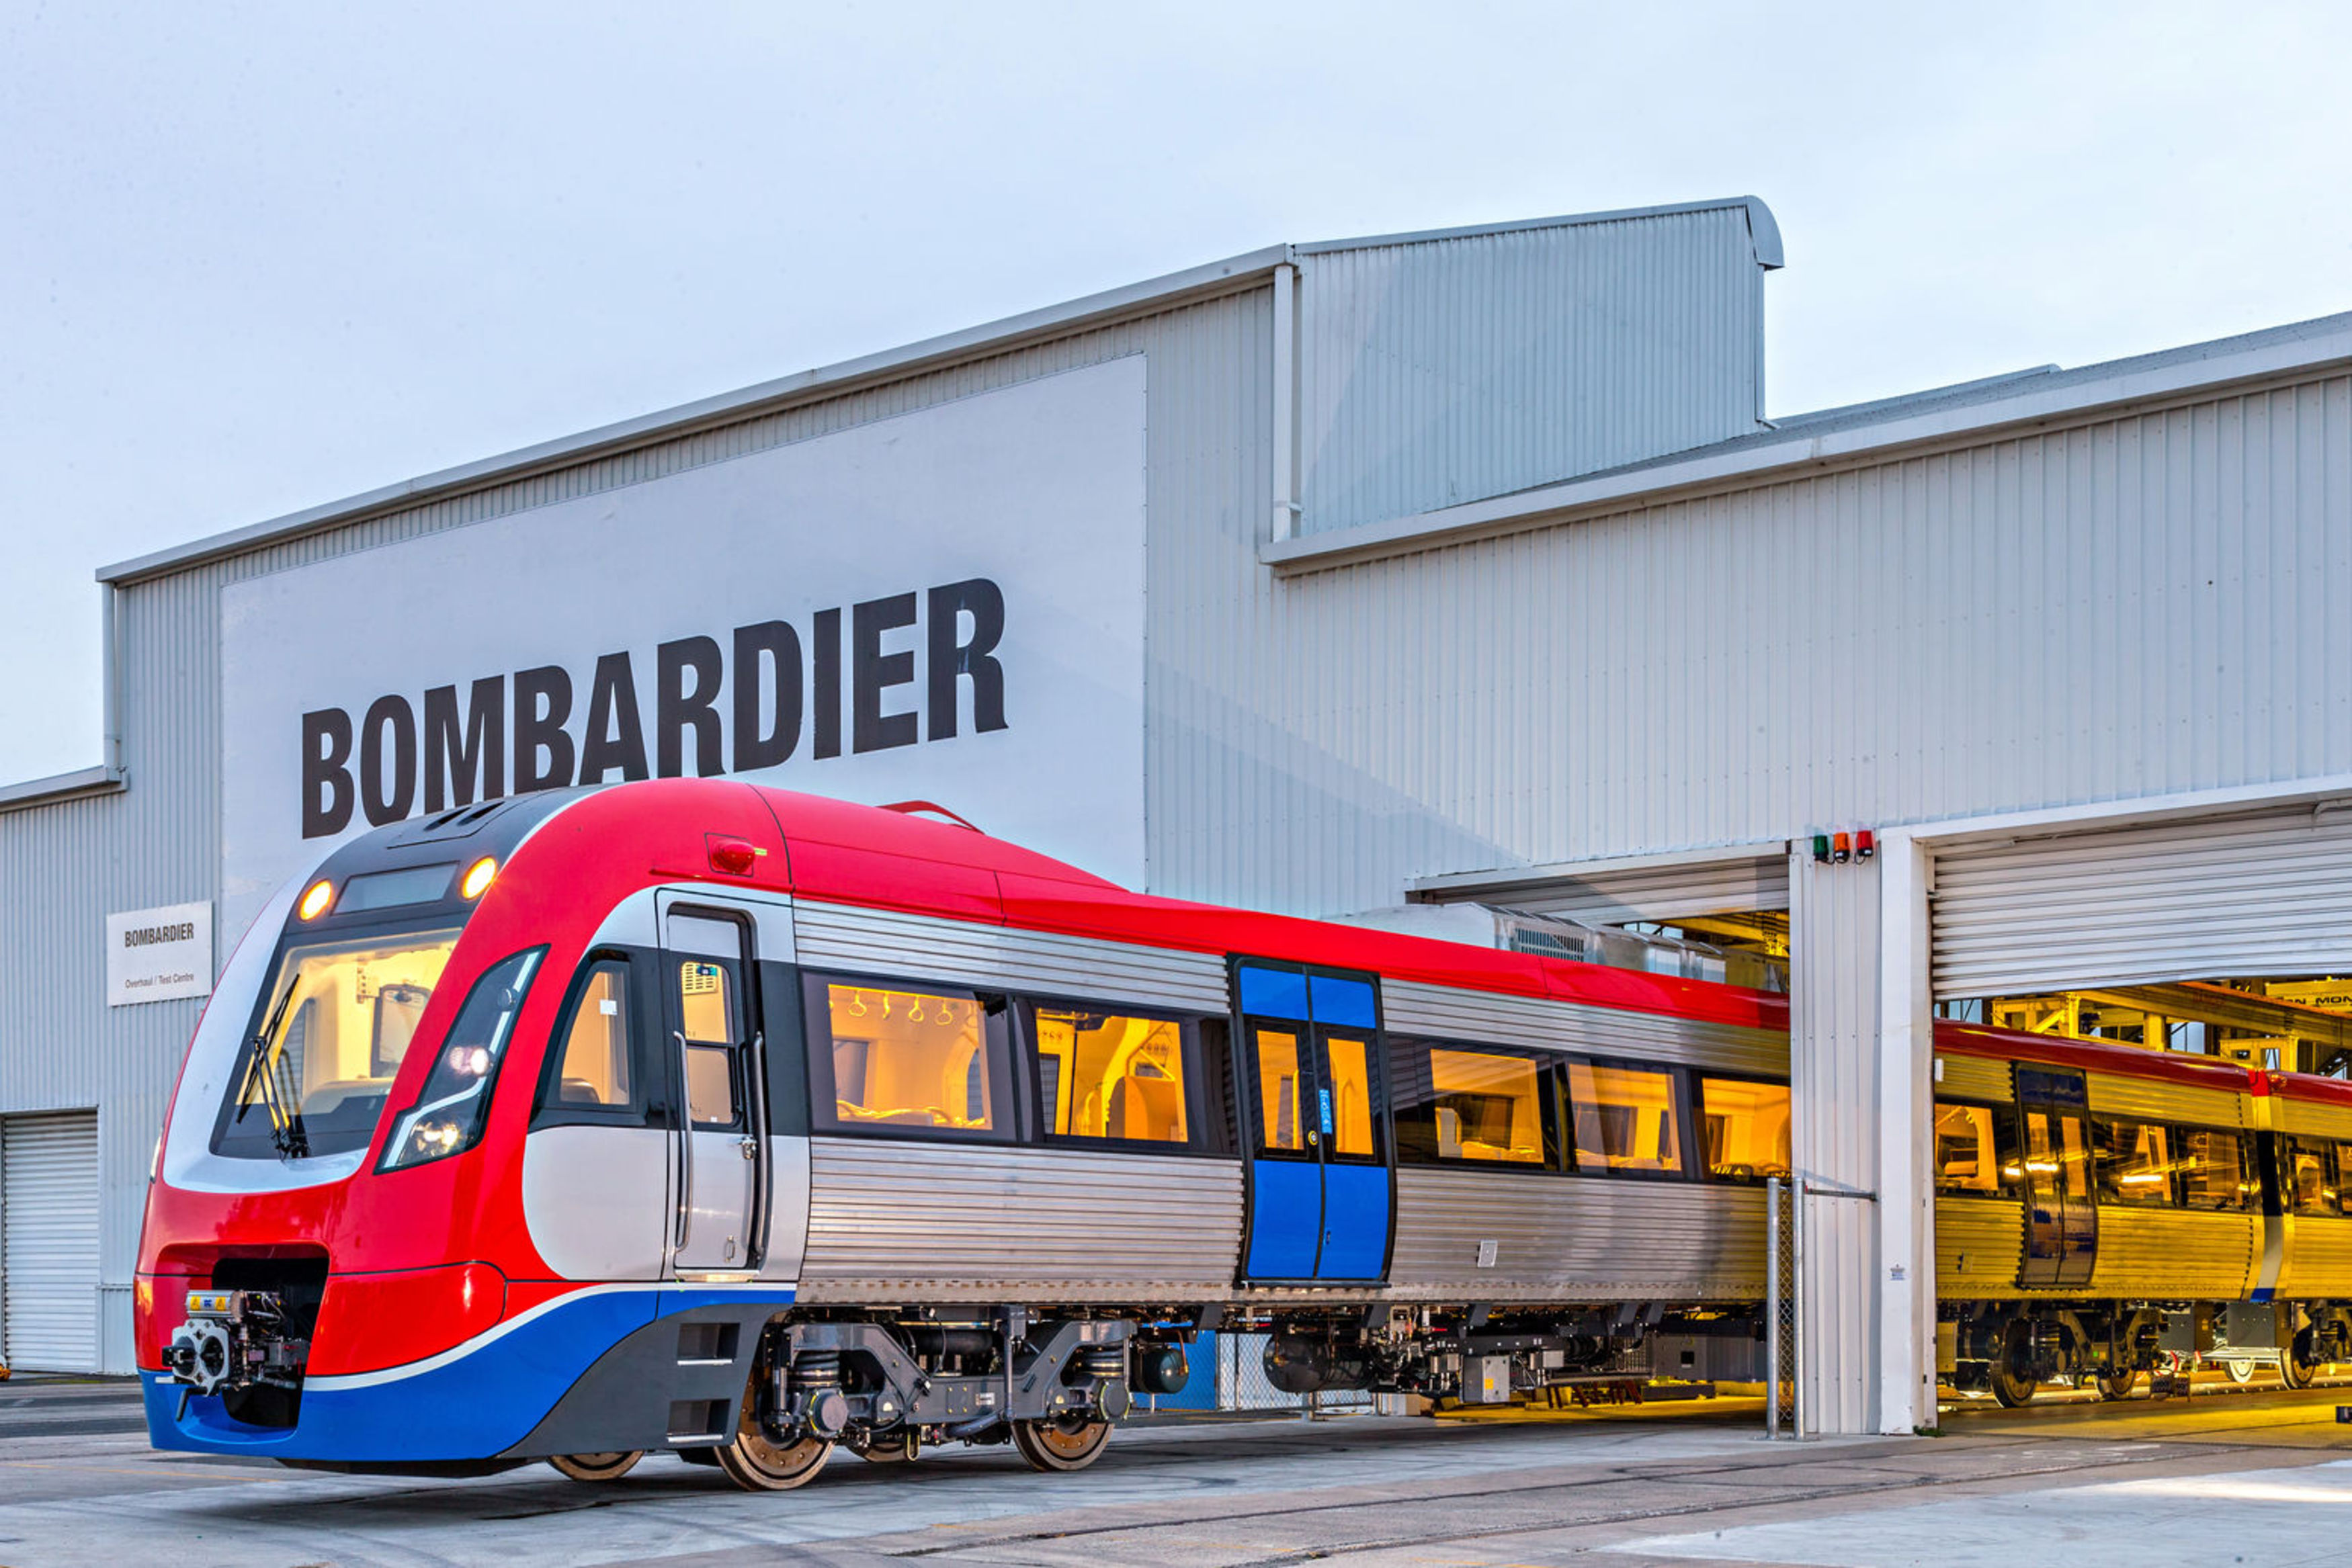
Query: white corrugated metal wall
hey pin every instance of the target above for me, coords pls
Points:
(2133, 606)
(1834, 1076)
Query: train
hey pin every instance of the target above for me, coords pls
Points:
(701, 1116)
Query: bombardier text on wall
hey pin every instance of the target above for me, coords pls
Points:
(735, 705)
(944, 605)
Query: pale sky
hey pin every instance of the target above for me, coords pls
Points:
(256, 257)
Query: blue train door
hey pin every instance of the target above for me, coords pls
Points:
(1315, 1114)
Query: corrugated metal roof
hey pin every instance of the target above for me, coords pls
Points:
(1090, 311)
(1860, 432)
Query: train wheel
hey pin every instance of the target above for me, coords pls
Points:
(1067, 1443)
(597, 1467)
(2013, 1386)
(756, 1464)
(2119, 1384)
(2239, 1370)
(2299, 1364)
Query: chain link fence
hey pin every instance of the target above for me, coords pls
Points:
(1780, 1204)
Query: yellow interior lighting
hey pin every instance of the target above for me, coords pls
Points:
(315, 899)
(477, 878)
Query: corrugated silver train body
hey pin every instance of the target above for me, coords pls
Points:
(906, 1222)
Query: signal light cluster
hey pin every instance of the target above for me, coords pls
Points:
(1846, 844)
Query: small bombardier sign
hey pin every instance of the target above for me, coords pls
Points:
(946, 605)
(157, 954)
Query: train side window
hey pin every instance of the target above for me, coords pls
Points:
(909, 1062)
(2215, 1169)
(1111, 1076)
(2311, 1181)
(1349, 1057)
(596, 1065)
(1967, 1163)
(2134, 1162)
(1744, 1128)
(709, 1014)
(1625, 1119)
(1281, 1086)
(1456, 1103)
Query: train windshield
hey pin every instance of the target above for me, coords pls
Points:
(337, 1020)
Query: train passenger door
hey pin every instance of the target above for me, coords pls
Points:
(2061, 1216)
(722, 1132)
(1316, 1112)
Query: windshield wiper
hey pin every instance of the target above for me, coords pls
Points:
(286, 1134)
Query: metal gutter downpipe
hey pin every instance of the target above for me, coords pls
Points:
(111, 638)
(1285, 401)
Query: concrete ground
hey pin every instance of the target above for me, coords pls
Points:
(2257, 1476)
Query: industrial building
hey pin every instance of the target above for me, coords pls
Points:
(1456, 567)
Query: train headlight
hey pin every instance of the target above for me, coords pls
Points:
(315, 899)
(477, 878)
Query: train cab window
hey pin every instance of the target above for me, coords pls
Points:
(1280, 1088)
(1744, 1128)
(2135, 1163)
(1452, 1103)
(2311, 1180)
(910, 1061)
(1109, 1075)
(1624, 1119)
(2215, 1172)
(596, 1066)
(313, 1077)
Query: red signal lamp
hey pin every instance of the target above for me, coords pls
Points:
(731, 856)
(1865, 843)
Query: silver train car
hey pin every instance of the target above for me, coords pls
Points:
(821, 1125)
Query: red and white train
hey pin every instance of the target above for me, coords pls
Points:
(694, 1115)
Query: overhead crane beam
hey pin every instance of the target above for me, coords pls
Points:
(2194, 1001)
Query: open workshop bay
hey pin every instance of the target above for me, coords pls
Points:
(2260, 1477)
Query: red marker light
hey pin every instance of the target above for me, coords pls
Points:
(1865, 843)
(733, 857)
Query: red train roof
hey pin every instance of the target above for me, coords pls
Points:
(880, 858)
(2097, 1056)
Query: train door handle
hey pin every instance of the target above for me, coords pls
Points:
(685, 1155)
(750, 1147)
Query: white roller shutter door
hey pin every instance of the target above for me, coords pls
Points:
(2263, 892)
(48, 1242)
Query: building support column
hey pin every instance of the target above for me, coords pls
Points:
(1835, 1077)
(1906, 1191)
